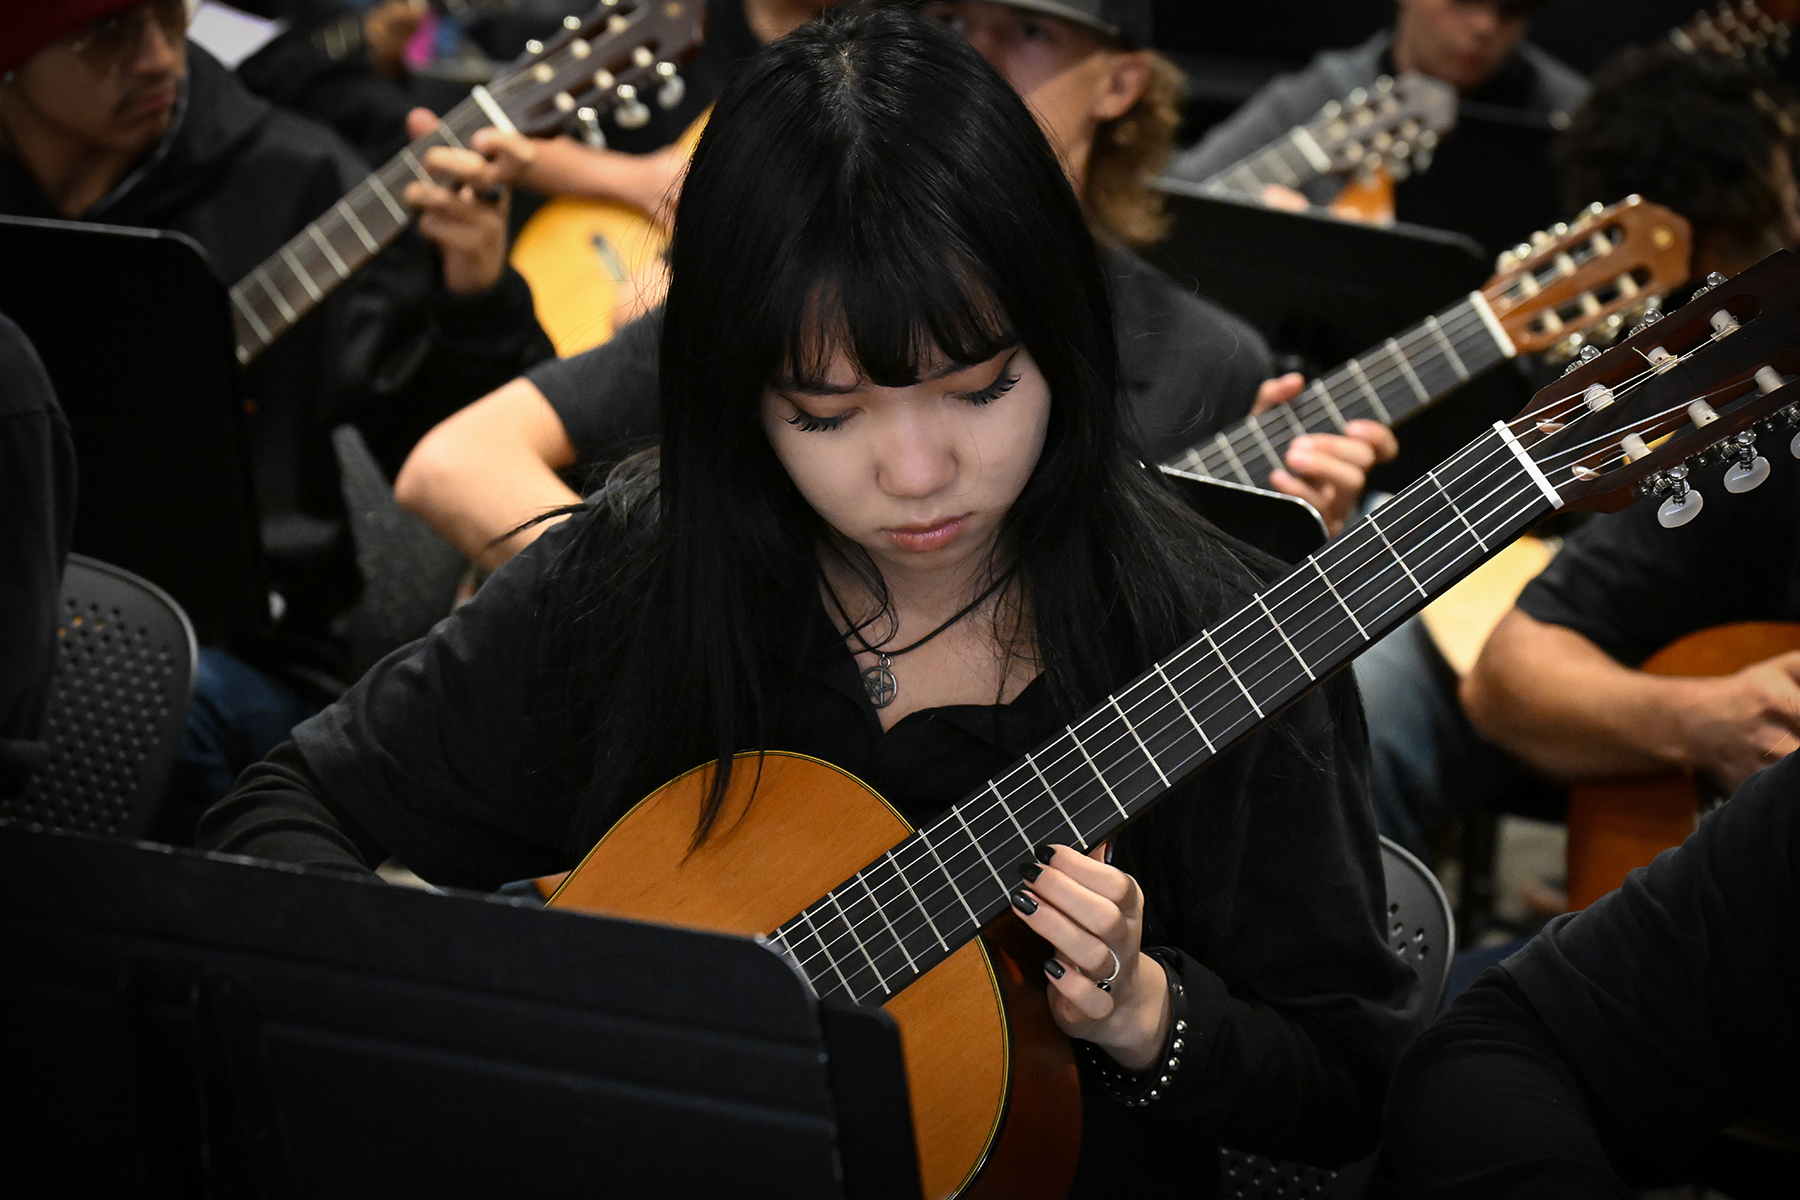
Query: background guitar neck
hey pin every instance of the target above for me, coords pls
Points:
(1290, 161)
(911, 908)
(317, 260)
(1387, 384)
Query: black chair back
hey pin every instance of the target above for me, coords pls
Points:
(118, 704)
(1422, 931)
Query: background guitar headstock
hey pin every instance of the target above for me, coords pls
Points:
(1756, 29)
(618, 58)
(1700, 385)
(1396, 125)
(1571, 285)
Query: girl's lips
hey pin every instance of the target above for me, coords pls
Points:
(921, 538)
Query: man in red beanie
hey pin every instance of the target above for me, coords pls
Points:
(108, 114)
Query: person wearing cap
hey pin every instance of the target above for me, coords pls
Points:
(1476, 46)
(1109, 106)
(109, 115)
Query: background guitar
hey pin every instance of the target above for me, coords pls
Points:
(1758, 29)
(913, 920)
(606, 59)
(1566, 286)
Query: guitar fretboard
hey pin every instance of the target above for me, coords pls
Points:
(1386, 384)
(932, 893)
(317, 260)
(1291, 161)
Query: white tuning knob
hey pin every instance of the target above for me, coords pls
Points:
(1679, 510)
(1744, 476)
(631, 113)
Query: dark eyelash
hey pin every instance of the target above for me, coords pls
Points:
(994, 390)
(807, 423)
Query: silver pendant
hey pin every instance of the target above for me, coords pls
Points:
(878, 682)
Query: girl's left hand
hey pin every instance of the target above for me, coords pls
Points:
(1089, 912)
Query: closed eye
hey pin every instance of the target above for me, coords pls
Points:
(808, 423)
(1003, 383)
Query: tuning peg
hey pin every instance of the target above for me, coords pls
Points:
(1723, 323)
(1357, 98)
(1560, 229)
(1750, 469)
(631, 113)
(1331, 111)
(534, 47)
(571, 22)
(1713, 280)
(674, 87)
(1384, 85)
(591, 132)
(1682, 503)
(1652, 314)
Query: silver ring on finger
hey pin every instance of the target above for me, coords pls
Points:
(1105, 985)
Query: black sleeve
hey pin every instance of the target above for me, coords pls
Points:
(1631, 587)
(1265, 872)
(453, 755)
(37, 517)
(1483, 1107)
(348, 93)
(1647, 1022)
(607, 398)
(278, 810)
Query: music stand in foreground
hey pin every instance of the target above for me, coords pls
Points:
(185, 1024)
(135, 331)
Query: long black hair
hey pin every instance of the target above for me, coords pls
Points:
(869, 184)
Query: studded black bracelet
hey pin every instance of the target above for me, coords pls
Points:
(1139, 1089)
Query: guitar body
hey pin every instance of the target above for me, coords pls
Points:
(1618, 824)
(593, 265)
(995, 1100)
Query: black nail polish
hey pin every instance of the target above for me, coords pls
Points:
(1029, 871)
(1044, 853)
(1023, 901)
(1053, 969)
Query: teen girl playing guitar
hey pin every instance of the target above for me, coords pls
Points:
(891, 439)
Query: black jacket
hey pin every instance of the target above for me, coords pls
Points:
(391, 352)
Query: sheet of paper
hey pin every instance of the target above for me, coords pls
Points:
(229, 35)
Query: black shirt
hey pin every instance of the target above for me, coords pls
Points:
(1187, 368)
(1631, 587)
(1612, 1046)
(37, 516)
(454, 756)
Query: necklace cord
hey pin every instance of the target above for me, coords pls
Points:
(856, 630)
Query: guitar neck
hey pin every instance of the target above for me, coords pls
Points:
(1388, 384)
(294, 280)
(1290, 161)
(910, 909)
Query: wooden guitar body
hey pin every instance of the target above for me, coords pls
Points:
(593, 266)
(995, 1101)
(1618, 824)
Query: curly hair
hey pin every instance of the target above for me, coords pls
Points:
(1130, 151)
(1694, 132)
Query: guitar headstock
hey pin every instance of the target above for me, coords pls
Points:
(1396, 124)
(609, 61)
(1574, 284)
(1701, 385)
(1755, 29)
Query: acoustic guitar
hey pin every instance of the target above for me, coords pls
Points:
(1566, 287)
(1754, 29)
(869, 910)
(1621, 823)
(604, 60)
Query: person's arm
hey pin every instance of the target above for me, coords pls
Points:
(487, 470)
(1553, 698)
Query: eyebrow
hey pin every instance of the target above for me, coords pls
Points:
(835, 389)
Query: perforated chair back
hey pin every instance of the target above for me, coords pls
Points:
(125, 656)
(1422, 932)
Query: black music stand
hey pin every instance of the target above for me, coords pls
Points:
(1318, 288)
(1491, 178)
(135, 332)
(184, 1024)
(1274, 522)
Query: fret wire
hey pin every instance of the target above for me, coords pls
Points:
(325, 247)
(1236, 463)
(306, 280)
(1095, 767)
(1055, 799)
(1406, 368)
(1324, 396)
(1185, 710)
(956, 811)
(243, 305)
(932, 850)
(1332, 587)
(1355, 367)
(806, 915)
(1154, 765)
(793, 957)
(1432, 475)
(380, 191)
(1456, 362)
(413, 164)
(867, 957)
(1369, 520)
(1006, 808)
(1234, 675)
(356, 226)
(1293, 420)
(1283, 634)
(892, 861)
(262, 278)
(1262, 439)
(862, 877)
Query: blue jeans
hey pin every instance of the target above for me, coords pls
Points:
(239, 714)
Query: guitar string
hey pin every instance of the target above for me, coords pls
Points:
(1525, 489)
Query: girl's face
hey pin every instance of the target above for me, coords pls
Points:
(919, 476)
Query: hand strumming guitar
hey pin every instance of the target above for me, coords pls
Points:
(1327, 470)
(1089, 912)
